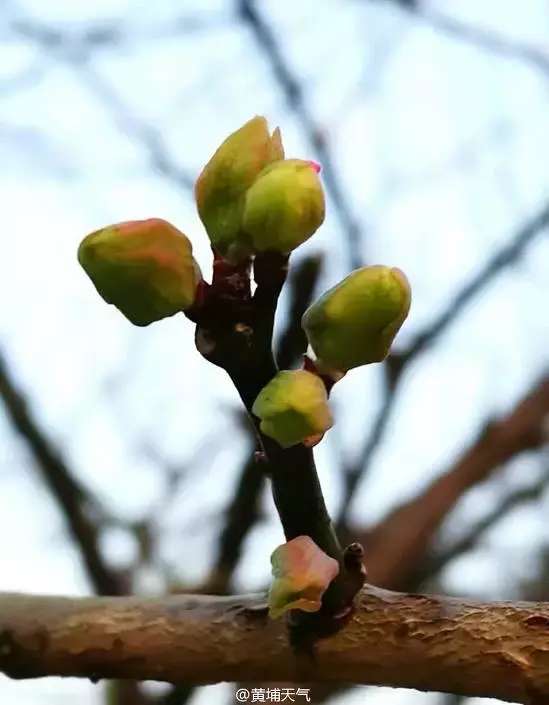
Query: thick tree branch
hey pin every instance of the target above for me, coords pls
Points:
(497, 650)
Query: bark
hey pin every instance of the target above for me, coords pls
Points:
(498, 650)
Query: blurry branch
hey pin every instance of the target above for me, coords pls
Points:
(148, 136)
(301, 284)
(240, 517)
(504, 257)
(243, 511)
(80, 510)
(112, 35)
(77, 56)
(297, 102)
(412, 641)
(477, 36)
(433, 563)
(501, 259)
(452, 700)
(397, 545)
(28, 76)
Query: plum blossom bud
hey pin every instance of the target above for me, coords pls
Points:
(302, 573)
(145, 268)
(284, 206)
(293, 408)
(221, 187)
(355, 322)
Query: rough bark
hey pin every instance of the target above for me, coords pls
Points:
(498, 650)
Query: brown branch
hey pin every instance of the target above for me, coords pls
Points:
(398, 544)
(496, 650)
(80, 510)
(434, 562)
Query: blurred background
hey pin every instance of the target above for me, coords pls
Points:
(124, 457)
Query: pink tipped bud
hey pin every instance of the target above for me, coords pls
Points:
(316, 166)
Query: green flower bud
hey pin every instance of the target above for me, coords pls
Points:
(284, 206)
(293, 408)
(221, 187)
(145, 268)
(355, 322)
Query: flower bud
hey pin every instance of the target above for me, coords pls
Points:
(221, 187)
(145, 268)
(302, 573)
(355, 322)
(284, 206)
(293, 408)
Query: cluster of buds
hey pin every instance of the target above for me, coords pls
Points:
(251, 199)
(351, 325)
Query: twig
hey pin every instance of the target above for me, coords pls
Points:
(504, 257)
(301, 286)
(80, 510)
(478, 37)
(234, 332)
(433, 563)
(241, 515)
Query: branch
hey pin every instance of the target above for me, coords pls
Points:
(496, 650)
(436, 561)
(397, 545)
(79, 508)
(504, 257)
(477, 36)
(301, 286)
(295, 97)
(241, 515)
(76, 51)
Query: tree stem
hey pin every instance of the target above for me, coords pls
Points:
(234, 331)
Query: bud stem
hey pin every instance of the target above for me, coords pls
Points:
(234, 331)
